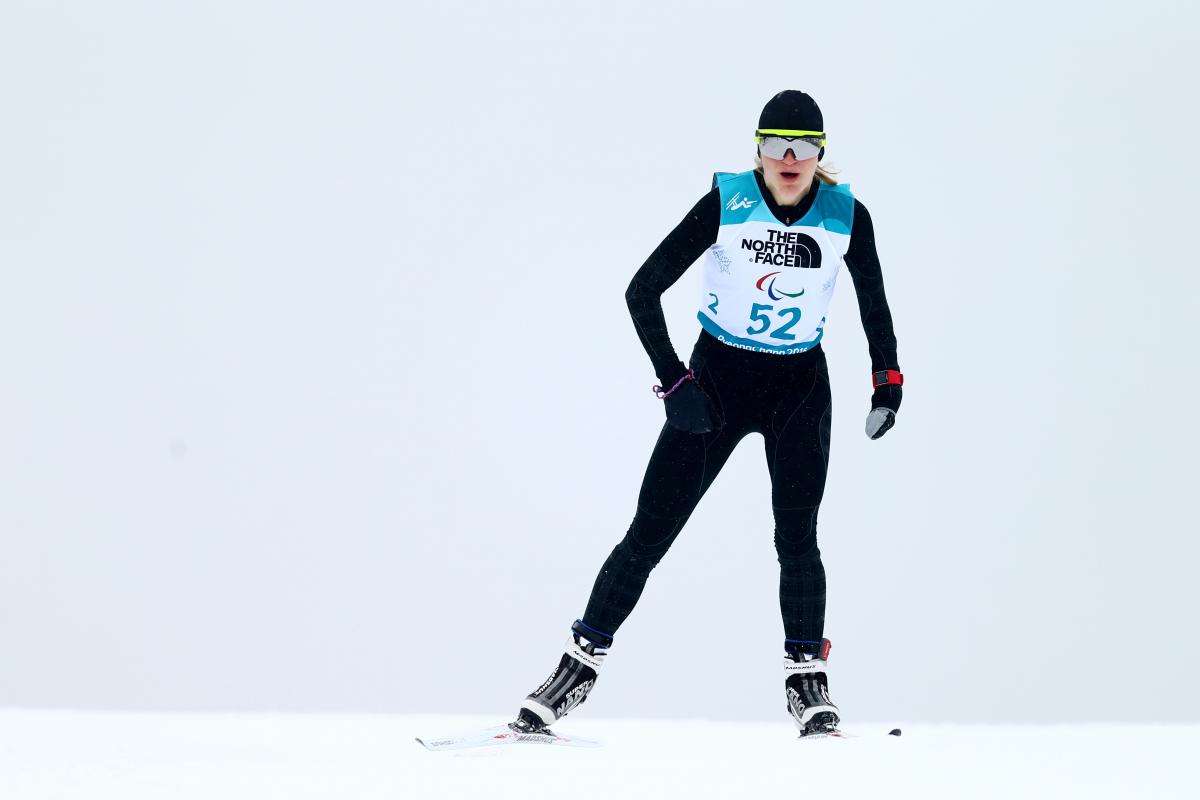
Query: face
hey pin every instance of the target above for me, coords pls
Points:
(787, 178)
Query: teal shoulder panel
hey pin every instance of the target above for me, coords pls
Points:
(717, 176)
(837, 207)
(740, 197)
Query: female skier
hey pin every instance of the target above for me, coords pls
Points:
(775, 237)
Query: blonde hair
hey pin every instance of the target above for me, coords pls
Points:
(824, 173)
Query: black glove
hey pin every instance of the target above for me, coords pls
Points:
(689, 408)
(884, 405)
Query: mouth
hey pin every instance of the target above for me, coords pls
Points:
(789, 176)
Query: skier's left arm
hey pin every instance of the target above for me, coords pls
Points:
(863, 262)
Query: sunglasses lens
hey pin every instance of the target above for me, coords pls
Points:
(804, 147)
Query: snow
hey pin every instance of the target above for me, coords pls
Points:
(100, 755)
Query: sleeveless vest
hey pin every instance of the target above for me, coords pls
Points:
(767, 285)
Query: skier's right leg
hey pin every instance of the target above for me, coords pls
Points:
(682, 467)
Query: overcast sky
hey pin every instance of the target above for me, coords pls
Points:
(320, 392)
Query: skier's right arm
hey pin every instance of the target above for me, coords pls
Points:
(686, 243)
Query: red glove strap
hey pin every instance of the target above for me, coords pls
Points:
(885, 377)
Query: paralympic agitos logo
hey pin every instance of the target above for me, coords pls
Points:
(770, 288)
(785, 249)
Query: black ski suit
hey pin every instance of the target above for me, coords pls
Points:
(784, 397)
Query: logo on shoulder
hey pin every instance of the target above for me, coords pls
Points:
(737, 201)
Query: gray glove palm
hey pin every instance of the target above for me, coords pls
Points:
(879, 422)
(884, 405)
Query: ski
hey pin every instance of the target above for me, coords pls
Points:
(826, 735)
(840, 734)
(504, 734)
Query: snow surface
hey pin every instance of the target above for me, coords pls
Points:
(99, 755)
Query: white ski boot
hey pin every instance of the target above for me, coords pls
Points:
(805, 668)
(569, 684)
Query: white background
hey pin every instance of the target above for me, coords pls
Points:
(320, 393)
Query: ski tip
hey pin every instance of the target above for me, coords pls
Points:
(894, 732)
(418, 738)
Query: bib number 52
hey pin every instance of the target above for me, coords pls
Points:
(758, 315)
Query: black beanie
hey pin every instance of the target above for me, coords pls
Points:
(792, 110)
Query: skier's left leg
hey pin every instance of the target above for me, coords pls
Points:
(797, 445)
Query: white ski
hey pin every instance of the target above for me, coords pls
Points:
(840, 734)
(827, 735)
(503, 734)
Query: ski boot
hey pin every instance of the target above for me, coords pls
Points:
(569, 684)
(807, 687)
